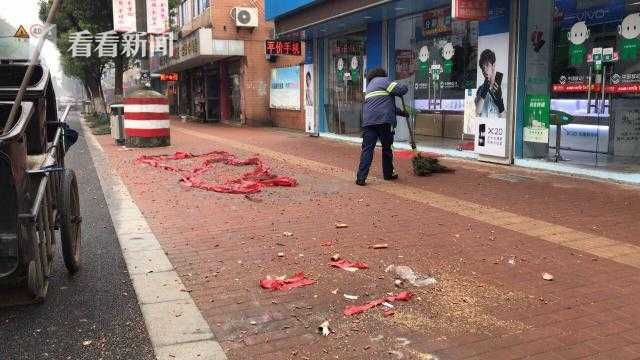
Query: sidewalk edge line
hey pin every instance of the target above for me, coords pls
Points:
(194, 329)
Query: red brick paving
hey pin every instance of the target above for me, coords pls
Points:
(483, 307)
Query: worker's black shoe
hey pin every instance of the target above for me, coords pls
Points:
(361, 182)
(392, 177)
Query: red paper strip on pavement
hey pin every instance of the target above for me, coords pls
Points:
(358, 309)
(298, 280)
(349, 265)
(249, 183)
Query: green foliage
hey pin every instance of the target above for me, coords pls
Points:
(78, 15)
(102, 130)
(95, 120)
(425, 166)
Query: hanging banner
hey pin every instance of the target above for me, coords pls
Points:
(124, 16)
(285, 88)
(469, 9)
(309, 99)
(157, 16)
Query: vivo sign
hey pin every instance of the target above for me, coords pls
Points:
(570, 13)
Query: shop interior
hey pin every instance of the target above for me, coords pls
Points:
(437, 59)
(345, 84)
(596, 85)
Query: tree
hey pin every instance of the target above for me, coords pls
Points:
(73, 16)
(96, 16)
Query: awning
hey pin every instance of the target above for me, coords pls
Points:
(199, 48)
(338, 16)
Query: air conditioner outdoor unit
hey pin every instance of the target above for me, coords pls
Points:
(245, 17)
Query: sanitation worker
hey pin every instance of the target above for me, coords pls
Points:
(379, 122)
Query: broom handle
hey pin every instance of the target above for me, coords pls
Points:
(412, 135)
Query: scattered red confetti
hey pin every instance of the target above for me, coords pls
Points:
(298, 280)
(358, 309)
(249, 183)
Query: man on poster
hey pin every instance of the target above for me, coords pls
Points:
(489, 102)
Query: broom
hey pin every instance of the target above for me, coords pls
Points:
(422, 165)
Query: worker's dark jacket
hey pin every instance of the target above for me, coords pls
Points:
(380, 102)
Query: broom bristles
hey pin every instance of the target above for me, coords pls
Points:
(425, 165)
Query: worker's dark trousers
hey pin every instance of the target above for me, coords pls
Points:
(370, 137)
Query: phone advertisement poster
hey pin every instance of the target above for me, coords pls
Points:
(492, 82)
(491, 137)
(309, 99)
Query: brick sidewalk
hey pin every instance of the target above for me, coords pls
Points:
(487, 249)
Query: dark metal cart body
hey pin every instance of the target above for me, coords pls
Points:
(38, 194)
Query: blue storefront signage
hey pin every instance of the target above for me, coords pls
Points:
(498, 20)
(277, 8)
(569, 12)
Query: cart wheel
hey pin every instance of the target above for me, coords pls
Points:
(70, 221)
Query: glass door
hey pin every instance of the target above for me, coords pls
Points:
(345, 87)
(596, 79)
(213, 94)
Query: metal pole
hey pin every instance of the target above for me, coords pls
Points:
(32, 64)
(141, 24)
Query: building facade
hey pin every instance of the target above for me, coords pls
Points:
(552, 84)
(223, 73)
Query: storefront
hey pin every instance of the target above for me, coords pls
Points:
(208, 86)
(550, 84)
(582, 105)
(421, 45)
(345, 78)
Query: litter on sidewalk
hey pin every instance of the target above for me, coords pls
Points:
(249, 183)
(298, 280)
(324, 328)
(349, 265)
(547, 276)
(358, 309)
(406, 274)
(380, 246)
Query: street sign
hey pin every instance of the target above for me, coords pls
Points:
(277, 47)
(157, 16)
(169, 77)
(470, 9)
(124, 15)
(21, 33)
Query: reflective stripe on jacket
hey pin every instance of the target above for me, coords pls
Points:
(379, 103)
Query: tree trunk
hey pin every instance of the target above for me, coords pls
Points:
(96, 95)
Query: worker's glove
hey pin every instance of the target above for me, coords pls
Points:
(403, 113)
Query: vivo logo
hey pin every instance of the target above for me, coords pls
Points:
(593, 15)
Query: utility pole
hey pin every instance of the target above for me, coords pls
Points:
(141, 24)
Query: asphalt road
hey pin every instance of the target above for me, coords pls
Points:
(92, 315)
